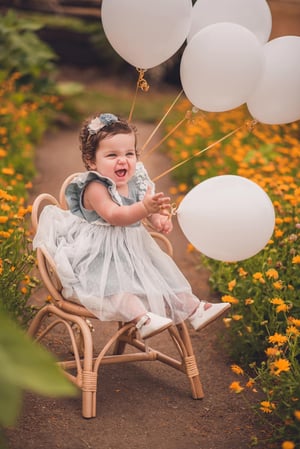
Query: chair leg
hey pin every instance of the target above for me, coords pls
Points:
(190, 362)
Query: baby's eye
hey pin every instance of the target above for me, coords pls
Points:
(130, 153)
(111, 155)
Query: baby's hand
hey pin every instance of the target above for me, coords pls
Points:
(161, 223)
(157, 203)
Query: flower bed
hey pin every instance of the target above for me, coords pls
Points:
(263, 327)
(24, 116)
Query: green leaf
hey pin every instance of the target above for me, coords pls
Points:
(10, 403)
(27, 365)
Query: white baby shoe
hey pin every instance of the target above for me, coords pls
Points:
(150, 324)
(204, 316)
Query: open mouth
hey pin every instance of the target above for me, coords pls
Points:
(121, 173)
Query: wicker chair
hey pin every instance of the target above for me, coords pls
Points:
(82, 368)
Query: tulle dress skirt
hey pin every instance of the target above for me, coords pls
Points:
(115, 272)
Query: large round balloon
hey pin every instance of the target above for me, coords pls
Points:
(252, 14)
(227, 218)
(221, 66)
(276, 98)
(146, 32)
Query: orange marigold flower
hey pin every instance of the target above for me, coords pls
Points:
(237, 317)
(278, 285)
(288, 445)
(236, 387)
(272, 352)
(231, 285)
(8, 171)
(292, 330)
(282, 308)
(237, 369)
(297, 414)
(242, 272)
(3, 219)
(295, 321)
(296, 259)
(229, 298)
(250, 383)
(249, 301)
(267, 406)
(280, 366)
(258, 275)
(278, 339)
(277, 301)
(272, 274)
(278, 233)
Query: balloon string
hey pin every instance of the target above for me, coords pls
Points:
(165, 137)
(201, 151)
(141, 84)
(161, 121)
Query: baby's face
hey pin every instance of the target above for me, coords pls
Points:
(116, 158)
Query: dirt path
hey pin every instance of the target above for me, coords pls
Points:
(141, 406)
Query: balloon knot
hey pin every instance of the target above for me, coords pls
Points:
(250, 124)
(142, 83)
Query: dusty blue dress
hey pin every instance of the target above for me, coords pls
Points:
(112, 270)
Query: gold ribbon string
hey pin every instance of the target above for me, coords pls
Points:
(141, 84)
(165, 137)
(160, 122)
(249, 124)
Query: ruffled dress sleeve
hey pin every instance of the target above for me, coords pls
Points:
(75, 190)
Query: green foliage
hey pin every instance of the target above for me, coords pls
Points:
(25, 366)
(22, 51)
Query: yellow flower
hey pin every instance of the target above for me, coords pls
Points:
(278, 339)
(237, 369)
(292, 330)
(272, 352)
(3, 219)
(267, 406)
(272, 274)
(231, 285)
(296, 259)
(282, 308)
(235, 387)
(280, 366)
(257, 275)
(229, 298)
(250, 383)
(295, 321)
(237, 317)
(182, 187)
(278, 285)
(242, 272)
(277, 301)
(288, 445)
(8, 171)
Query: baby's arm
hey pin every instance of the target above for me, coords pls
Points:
(97, 198)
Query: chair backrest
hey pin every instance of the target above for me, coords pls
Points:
(45, 261)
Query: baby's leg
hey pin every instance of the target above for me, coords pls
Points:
(124, 307)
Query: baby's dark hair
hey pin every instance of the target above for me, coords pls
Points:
(89, 140)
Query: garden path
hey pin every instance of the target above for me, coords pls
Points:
(143, 406)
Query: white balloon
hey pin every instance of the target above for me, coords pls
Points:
(227, 218)
(221, 66)
(276, 98)
(146, 32)
(252, 14)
